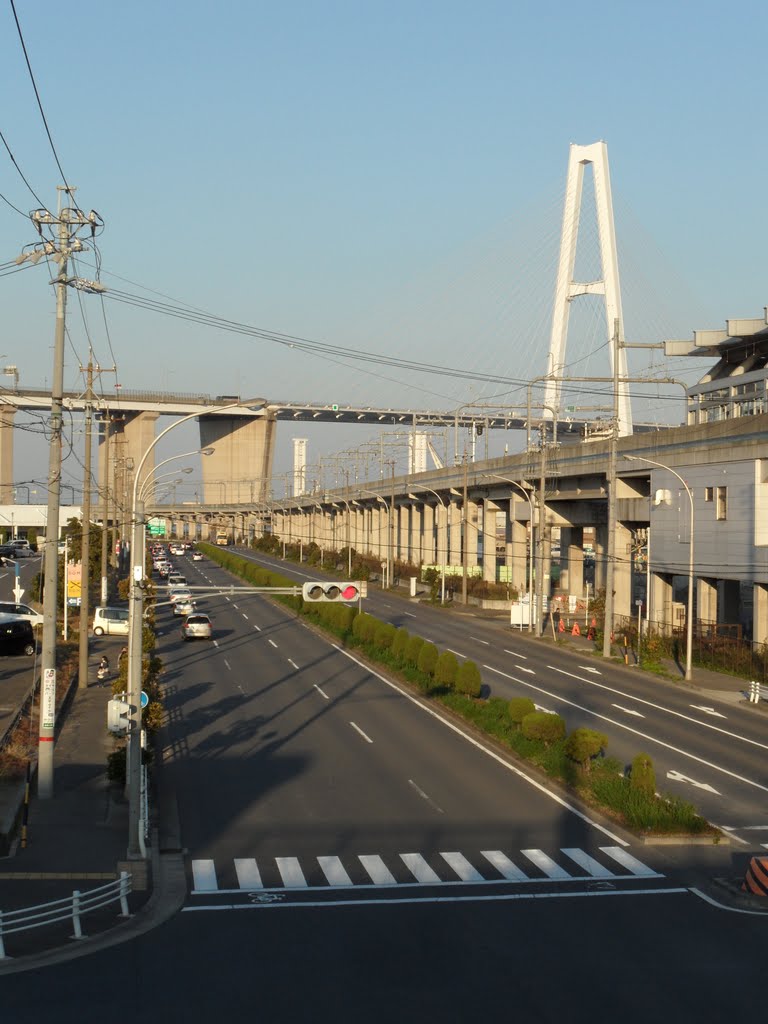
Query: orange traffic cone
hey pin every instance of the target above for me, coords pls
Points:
(575, 631)
(756, 878)
(561, 627)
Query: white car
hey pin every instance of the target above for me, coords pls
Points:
(21, 611)
(179, 594)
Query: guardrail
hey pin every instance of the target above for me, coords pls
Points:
(74, 906)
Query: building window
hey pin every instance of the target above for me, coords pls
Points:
(722, 503)
(709, 494)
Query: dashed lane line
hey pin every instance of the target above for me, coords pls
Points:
(364, 735)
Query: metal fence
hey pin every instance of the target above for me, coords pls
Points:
(74, 907)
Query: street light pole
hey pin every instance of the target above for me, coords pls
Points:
(689, 609)
(528, 498)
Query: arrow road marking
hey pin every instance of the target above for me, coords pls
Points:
(678, 777)
(629, 711)
(707, 711)
(589, 668)
(522, 668)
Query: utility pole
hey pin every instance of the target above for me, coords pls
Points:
(85, 546)
(540, 535)
(465, 535)
(610, 569)
(58, 240)
(105, 512)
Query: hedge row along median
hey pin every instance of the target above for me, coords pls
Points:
(577, 760)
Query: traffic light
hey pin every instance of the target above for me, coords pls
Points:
(118, 716)
(343, 593)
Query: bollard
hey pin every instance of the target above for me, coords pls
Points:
(754, 692)
(124, 890)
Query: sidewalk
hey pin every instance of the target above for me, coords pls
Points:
(76, 839)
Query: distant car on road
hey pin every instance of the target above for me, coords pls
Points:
(197, 627)
(16, 636)
(21, 611)
(197, 556)
(183, 606)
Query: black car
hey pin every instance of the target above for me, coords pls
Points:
(16, 636)
(7, 551)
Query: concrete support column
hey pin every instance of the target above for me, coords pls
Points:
(490, 511)
(454, 534)
(622, 576)
(601, 554)
(472, 533)
(416, 517)
(571, 560)
(706, 601)
(661, 589)
(516, 554)
(729, 605)
(404, 532)
(7, 416)
(428, 534)
(241, 465)
(442, 534)
(760, 613)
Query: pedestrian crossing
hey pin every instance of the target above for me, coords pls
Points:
(569, 864)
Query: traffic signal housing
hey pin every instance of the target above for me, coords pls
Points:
(339, 593)
(118, 716)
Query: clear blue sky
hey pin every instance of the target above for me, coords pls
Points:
(385, 176)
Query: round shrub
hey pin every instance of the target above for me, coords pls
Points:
(643, 776)
(544, 726)
(400, 642)
(364, 627)
(584, 744)
(413, 650)
(384, 635)
(468, 679)
(446, 669)
(518, 708)
(427, 659)
(358, 626)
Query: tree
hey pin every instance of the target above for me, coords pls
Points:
(584, 744)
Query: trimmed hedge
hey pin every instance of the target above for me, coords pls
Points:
(427, 662)
(585, 744)
(400, 643)
(446, 669)
(643, 776)
(518, 708)
(468, 679)
(413, 650)
(384, 636)
(545, 726)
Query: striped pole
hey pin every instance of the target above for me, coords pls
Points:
(756, 878)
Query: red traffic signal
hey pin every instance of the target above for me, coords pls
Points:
(345, 593)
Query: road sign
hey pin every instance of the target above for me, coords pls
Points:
(144, 699)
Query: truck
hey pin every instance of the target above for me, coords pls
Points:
(222, 536)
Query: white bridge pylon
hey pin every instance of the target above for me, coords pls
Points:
(608, 286)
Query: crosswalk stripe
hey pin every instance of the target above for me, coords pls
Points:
(419, 868)
(627, 860)
(504, 866)
(204, 876)
(291, 873)
(334, 871)
(377, 870)
(462, 867)
(545, 864)
(247, 871)
(589, 864)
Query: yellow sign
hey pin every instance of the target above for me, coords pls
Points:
(74, 579)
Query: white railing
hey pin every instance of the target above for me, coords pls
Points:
(74, 907)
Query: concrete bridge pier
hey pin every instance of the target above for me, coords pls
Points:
(7, 416)
(241, 465)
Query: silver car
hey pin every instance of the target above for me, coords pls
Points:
(184, 606)
(197, 627)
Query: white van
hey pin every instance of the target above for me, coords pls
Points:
(112, 621)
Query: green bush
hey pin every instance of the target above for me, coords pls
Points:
(427, 659)
(400, 643)
(446, 669)
(364, 626)
(518, 708)
(116, 766)
(468, 679)
(584, 744)
(544, 726)
(413, 650)
(384, 636)
(643, 777)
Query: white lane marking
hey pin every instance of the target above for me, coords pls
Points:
(660, 707)
(480, 746)
(377, 870)
(628, 711)
(522, 657)
(227, 664)
(722, 906)
(473, 898)
(457, 653)
(419, 868)
(707, 711)
(386, 605)
(358, 729)
(272, 642)
(589, 668)
(426, 796)
(466, 871)
(215, 643)
(244, 615)
(334, 871)
(477, 638)
(292, 662)
(731, 834)
(522, 668)
(257, 628)
(544, 863)
(540, 707)
(227, 598)
(629, 862)
(204, 876)
(751, 828)
(321, 692)
(247, 872)
(504, 866)
(291, 873)
(410, 615)
(636, 732)
(679, 777)
(589, 864)
(236, 606)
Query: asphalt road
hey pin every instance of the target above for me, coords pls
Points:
(707, 750)
(17, 672)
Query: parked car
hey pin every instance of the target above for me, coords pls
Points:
(21, 611)
(112, 621)
(16, 636)
(197, 627)
(21, 548)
